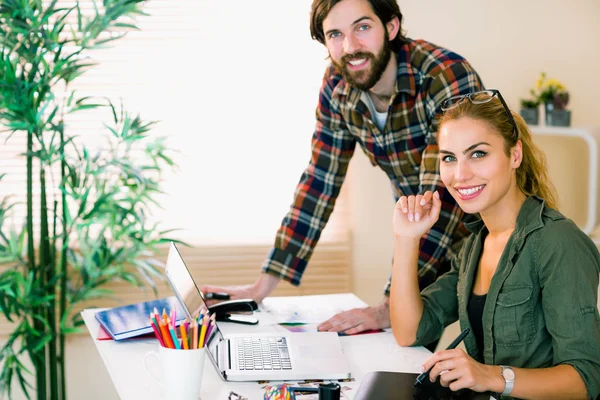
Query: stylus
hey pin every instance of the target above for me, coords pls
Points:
(455, 343)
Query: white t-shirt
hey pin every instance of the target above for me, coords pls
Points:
(380, 117)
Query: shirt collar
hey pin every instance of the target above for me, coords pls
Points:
(405, 75)
(528, 220)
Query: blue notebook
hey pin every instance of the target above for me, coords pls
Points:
(133, 320)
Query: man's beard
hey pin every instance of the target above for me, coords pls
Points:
(367, 78)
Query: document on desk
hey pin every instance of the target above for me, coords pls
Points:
(308, 309)
(359, 350)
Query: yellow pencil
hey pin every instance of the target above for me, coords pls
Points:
(184, 339)
(203, 331)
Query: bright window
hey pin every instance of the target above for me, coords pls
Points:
(234, 85)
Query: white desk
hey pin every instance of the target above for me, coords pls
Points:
(365, 353)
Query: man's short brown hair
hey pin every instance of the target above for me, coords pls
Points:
(385, 10)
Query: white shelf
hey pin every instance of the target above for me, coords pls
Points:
(591, 136)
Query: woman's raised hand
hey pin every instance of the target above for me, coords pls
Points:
(415, 215)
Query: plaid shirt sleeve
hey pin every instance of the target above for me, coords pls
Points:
(316, 193)
(439, 244)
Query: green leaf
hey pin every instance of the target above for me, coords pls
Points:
(125, 25)
(105, 228)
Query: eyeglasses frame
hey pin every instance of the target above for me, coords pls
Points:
(495, 92)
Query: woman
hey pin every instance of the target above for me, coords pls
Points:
(525, 282)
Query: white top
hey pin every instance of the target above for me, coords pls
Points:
(380, 117)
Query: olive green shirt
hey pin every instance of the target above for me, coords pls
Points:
(541, 308)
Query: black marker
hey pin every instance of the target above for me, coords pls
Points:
(326, 391)
(455, 343)
(216, 296)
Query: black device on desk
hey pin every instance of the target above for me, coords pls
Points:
(326, 391)
(191, 298)
(231, 311)
(216, 296)
(384, 385)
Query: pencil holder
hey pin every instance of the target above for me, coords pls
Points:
(180, 371)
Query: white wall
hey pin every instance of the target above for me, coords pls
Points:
(509, 43)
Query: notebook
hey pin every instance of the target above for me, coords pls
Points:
(260, 356)
(133, 319)
(383, 385)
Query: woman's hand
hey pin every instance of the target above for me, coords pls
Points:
(457, 370)
(415, 215)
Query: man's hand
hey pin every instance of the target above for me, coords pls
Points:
(257, 291)
(359, 319)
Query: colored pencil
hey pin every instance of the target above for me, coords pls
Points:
(209, 331)
(174, 336)
(165, 335)
(203, 331)
(195, 335)
(184, 339)
(156, 332)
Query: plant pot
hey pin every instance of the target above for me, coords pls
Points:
(556, 117)
(530, 115)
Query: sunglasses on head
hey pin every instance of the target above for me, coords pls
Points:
(480, 97)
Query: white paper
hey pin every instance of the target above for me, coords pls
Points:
(308, 309)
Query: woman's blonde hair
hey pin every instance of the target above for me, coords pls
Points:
(532, 174)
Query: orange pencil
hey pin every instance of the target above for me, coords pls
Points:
(173, 315)
(195, 335)
(165, 335)
(184, 339)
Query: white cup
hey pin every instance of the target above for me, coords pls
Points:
(181, 371)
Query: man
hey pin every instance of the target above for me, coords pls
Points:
(381, 91)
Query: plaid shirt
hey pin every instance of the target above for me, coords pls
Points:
(406, 151)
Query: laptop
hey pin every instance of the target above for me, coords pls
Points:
(259, 356)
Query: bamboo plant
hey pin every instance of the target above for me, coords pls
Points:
(93, 204)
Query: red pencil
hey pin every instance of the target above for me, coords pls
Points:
(156, 332)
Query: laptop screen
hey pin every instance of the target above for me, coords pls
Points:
(189, 295)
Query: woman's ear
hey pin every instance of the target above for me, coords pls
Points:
(393, 27)
(516, 155)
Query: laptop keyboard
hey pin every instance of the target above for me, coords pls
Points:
(263, 354)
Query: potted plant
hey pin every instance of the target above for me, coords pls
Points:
(555, 97)
(530, 110)
(87, 213)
